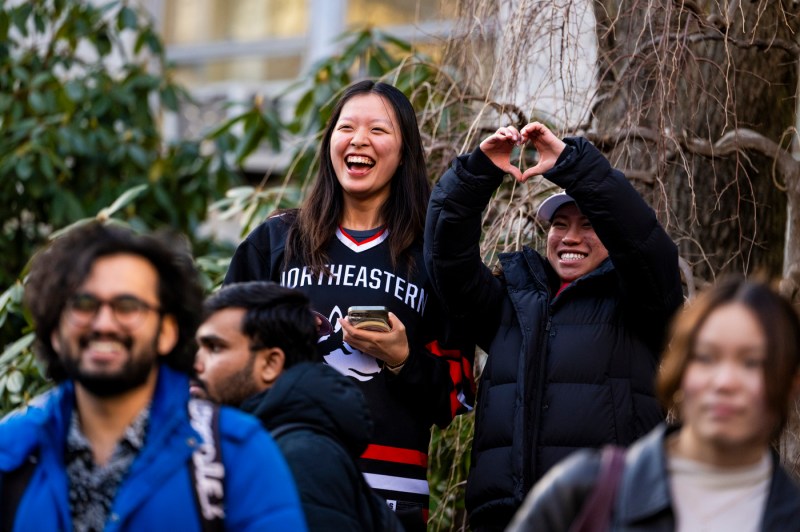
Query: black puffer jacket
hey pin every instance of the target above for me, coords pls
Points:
(322, 425)
(564, 372)
(643, 502)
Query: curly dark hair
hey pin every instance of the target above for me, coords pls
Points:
(275, 316)
(60, 268)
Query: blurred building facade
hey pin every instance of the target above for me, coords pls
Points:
(227, 51)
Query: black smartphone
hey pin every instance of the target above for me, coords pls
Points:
(369, 318)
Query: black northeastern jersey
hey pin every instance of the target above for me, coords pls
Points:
(429, 389)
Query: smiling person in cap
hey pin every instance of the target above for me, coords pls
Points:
(573, 337)
(573, 247)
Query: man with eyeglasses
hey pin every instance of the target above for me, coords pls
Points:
(118, 444)
(258, 352)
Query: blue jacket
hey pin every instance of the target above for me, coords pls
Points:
(157, 493)
(565, 370)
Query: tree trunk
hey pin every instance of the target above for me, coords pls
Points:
(676, 80)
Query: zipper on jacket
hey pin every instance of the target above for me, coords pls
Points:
(531, 447)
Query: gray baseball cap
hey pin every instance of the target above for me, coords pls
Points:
(549, 206)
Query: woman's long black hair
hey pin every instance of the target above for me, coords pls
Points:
(404, 210)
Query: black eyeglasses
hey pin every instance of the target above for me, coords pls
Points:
(128, 311)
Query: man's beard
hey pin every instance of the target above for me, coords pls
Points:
(133, 373)
(232, 391)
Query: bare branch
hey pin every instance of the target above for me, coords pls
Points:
(743, 139)
(734, 141)
(688, 277)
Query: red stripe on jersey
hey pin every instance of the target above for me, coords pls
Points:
(460, 371)
(361, 242)
(395, 454)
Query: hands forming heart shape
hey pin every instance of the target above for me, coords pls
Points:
(498, 148)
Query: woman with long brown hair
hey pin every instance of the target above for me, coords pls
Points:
(357, 241)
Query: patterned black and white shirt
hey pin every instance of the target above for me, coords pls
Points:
(91, 487)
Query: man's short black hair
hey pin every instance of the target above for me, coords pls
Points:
(275, 316)
(60, 268)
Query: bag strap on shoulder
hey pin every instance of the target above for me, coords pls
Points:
(206, 467)
(595, 515)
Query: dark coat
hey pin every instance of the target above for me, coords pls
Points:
(322, 425)
(564, 372)
(643, 502)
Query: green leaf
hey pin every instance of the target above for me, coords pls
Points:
(109, 6)
(273, 128)
(249, 141)
(236, 192)
(122, 201)
(75, 90)
(374, 67)
(384, 58)
(224, 127)
(304, 104)
(40, 79)
(71, 208)
(58, 7)
(170, 98)
(19, 17)
(163, 198)
(103, 43)
(21, 74)
(39, 22)
(38, 102)
(5, 102)
(24, 169)
(5, 23)
(154, 43)
(141, 40)
(16, 348)
(70, 227)
(46, 167)
(127, 19)
(139, 155)
(400, 43)
(15, 382)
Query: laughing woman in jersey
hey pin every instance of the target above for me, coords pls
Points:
(357, 240)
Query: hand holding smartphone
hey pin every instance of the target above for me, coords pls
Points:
(370, 318)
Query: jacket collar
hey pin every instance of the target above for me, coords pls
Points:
(645, 465)
(530, 268)
(783, 501)
(43, 424)
(644, 492)
(318, 395)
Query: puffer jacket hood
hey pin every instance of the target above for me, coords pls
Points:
(318, 395)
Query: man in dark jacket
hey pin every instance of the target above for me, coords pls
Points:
(257, 351)
(573, 338)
